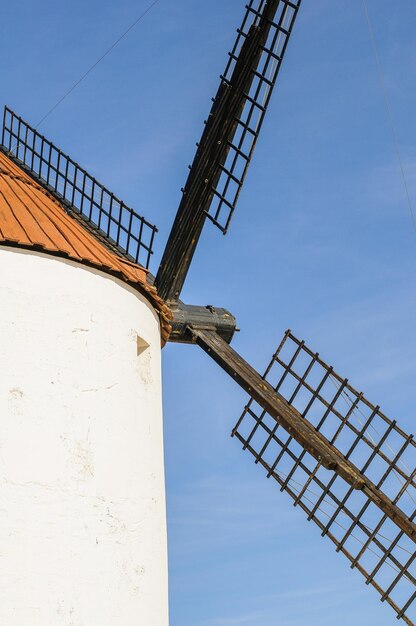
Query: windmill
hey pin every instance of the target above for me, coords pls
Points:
(349, 467)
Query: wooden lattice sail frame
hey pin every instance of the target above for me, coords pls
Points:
(371, 539)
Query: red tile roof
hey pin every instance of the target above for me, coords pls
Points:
(30, 217)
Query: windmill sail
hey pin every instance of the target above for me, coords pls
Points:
(225, 149)
(116, 225)
(372, 540)
(255, 93)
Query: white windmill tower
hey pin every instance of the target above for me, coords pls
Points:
(82, 481)
(81, 432)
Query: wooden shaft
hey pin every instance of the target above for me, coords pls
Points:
(299, 428)
(205, 170)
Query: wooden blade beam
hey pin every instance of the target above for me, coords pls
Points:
(116, 225)
(213, 149)
(352, 520)
(300, 429)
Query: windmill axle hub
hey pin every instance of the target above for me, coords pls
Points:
(208, 317)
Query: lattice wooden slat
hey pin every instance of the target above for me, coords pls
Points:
(124, 230)
(243, 135)
(382, 451)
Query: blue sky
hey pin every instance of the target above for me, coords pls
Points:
(321, 242)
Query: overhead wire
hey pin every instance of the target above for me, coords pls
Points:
(89, 70)
(389, 112)
(94, 65)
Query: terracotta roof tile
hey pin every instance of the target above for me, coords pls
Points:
(30, 217)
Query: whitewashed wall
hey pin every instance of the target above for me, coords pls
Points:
(82, 502)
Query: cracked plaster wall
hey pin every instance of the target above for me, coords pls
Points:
(82, 502)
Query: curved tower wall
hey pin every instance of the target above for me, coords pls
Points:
(82, 513)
